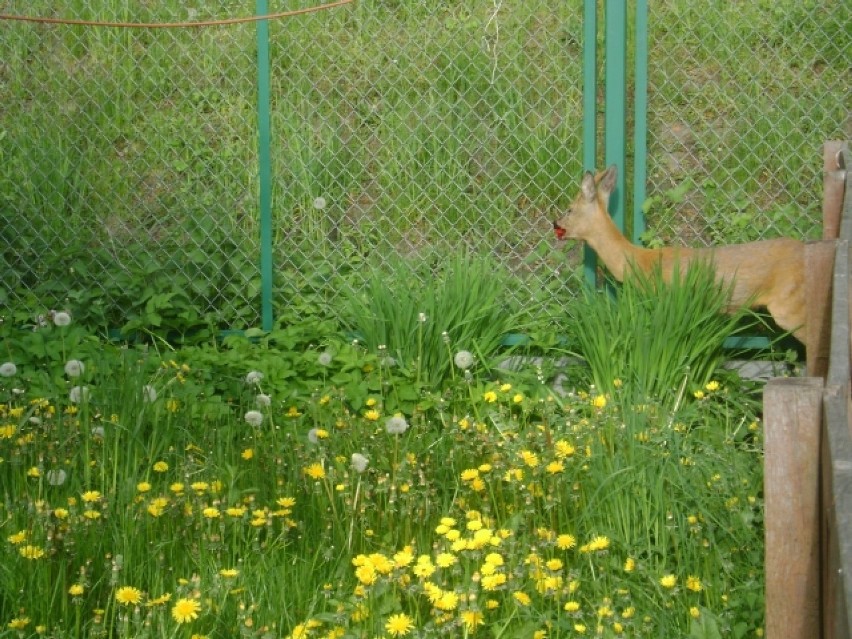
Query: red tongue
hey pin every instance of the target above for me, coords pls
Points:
(560, 232)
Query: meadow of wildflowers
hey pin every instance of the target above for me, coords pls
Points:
(315, 490)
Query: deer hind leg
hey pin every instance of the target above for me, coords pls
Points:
(790, 314)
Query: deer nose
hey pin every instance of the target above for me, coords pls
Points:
(558, 230)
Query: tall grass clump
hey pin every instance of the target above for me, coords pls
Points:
(656, 337)
(424, 317)
(280, 488)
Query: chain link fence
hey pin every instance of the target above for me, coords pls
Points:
(128, 174)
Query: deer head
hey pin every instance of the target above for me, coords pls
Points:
(582, 218)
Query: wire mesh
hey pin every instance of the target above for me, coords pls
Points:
(128, 175)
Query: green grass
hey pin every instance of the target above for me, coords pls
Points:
(421, 127)
(502, 510)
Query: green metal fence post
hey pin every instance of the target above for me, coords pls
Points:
(264, 158)
(590, 110)
(640, 119)
(615, 100)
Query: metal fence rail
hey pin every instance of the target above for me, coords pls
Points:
(129, 166)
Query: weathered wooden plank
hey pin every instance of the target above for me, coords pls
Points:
(839, 369)
(836, 478)
(792, 414)
(819, 264)
(833, 185)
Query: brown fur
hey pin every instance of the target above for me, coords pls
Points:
(768, 273)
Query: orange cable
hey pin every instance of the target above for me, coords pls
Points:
(175, 25)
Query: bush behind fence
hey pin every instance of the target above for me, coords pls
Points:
(128, 174)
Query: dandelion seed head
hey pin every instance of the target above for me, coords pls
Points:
(56, 476)
(8, 369)
(253, 378)
(319, 203)
(463, 360)
(254, 418)
(396, 425)
(78, 394)
(325, 358)
(359, 462)
(61, 318)
(74, 368)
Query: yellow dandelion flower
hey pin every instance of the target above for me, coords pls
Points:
(472, 619)
(448, 600)
(493, 582)
(490, 397)
(694, 612)
(76, 590)
(247, 454)
(372, 415)
(571, 606)
(399, 625)
(91, 496)
(668, 581)
(694, 583)
(564, 449)
(314, 471)
(521, 598)
(128, 595)
(518, 398)
(19, 623)
(565, 541)
(599, 401)
(529, 458)
(185, 610)
(143, 486)
(159, 601)
(555, 467)
(161, 467)
(211, 513)
(446, 559)
(17, 538)
(469, 474)
(31, 552)
(629, 564)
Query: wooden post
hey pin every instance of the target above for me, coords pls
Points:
(819, 265)
(792, 413)
(833, 184)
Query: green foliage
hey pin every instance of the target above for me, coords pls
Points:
(166, 487)
(658, 338)
(422, 317)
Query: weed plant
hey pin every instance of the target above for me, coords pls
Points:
(657, 338)
(421, 317)
(260, 490)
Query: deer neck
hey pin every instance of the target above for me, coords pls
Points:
(613, 249)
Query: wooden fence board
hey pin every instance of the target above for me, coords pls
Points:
(793, 415)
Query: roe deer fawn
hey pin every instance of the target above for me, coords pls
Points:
(768, 273)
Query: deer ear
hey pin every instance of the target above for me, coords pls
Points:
(610, 177)
(587, 186)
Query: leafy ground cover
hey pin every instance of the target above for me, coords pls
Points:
(302, 485)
